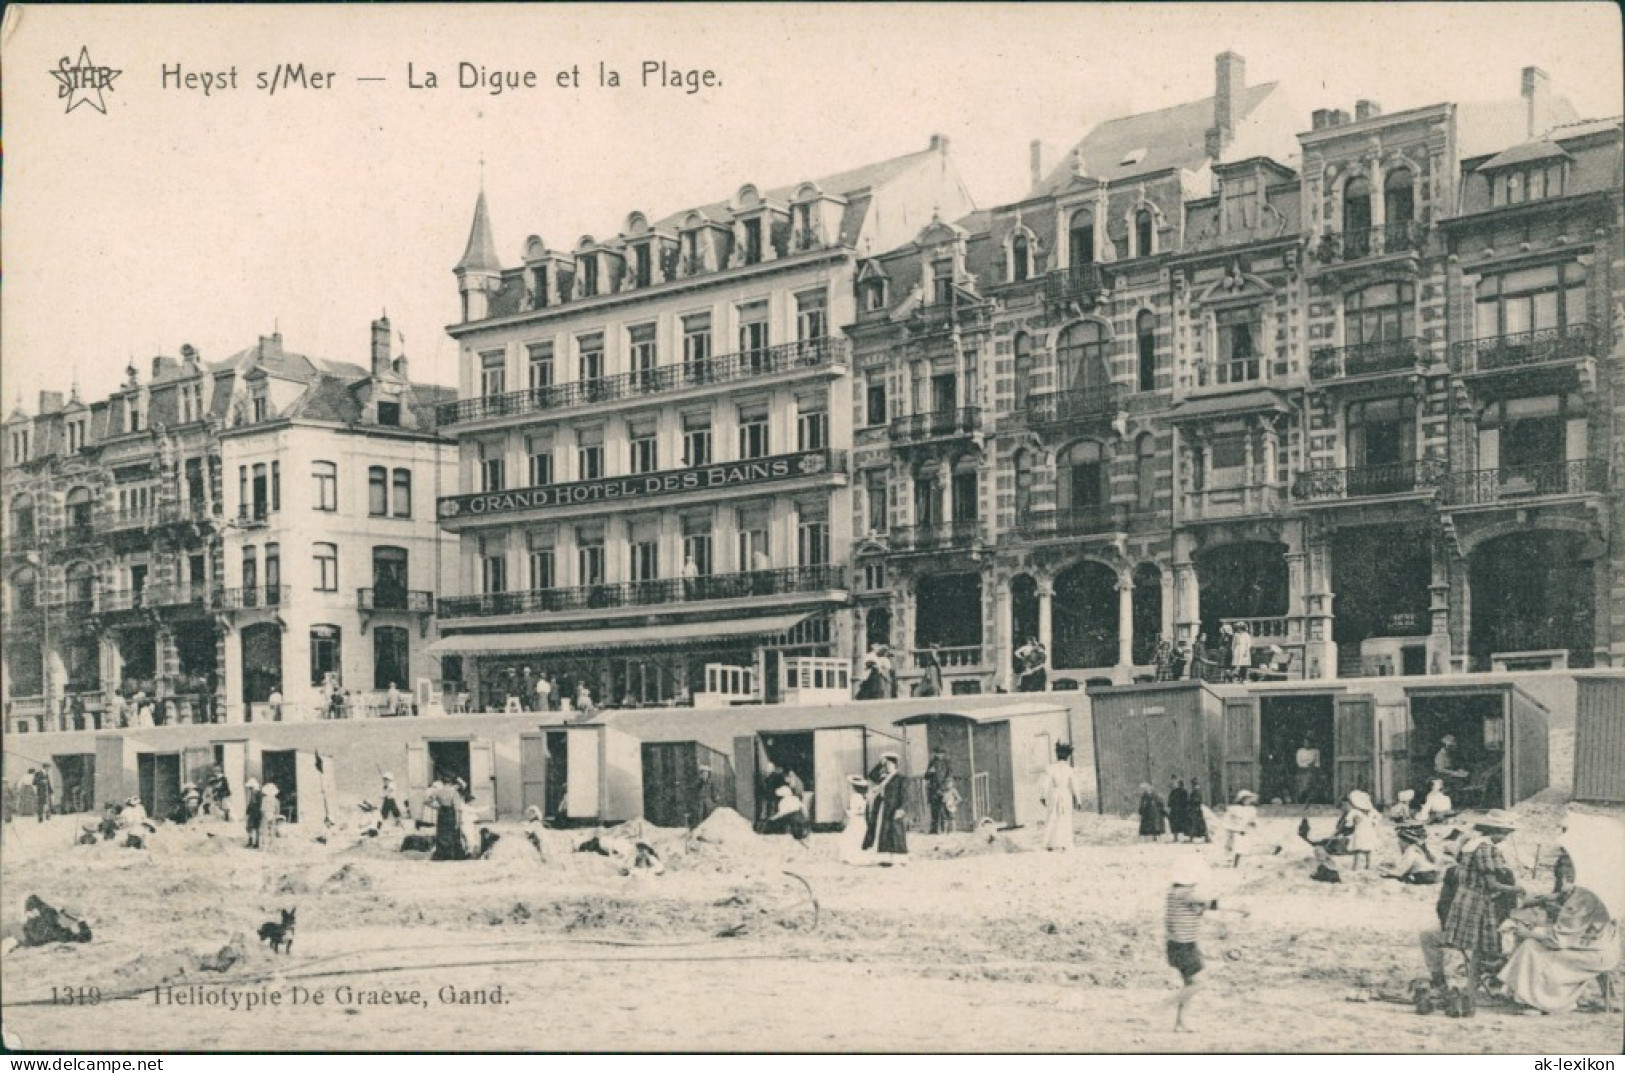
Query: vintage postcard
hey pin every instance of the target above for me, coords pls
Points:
(813, 528)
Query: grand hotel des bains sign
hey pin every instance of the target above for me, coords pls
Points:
(641, 486)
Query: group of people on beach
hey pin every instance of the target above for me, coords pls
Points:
(1181, 816)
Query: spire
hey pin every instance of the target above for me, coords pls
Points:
(481, 253)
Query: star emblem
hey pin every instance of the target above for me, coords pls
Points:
(82, 81)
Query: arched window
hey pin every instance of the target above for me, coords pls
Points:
(1145, 339)
(1398, 197)
(81, 509)
(1145, 471)
(1081, 238)
(1145, 233)
(22, 516)
(965, 486)
(81, 578)
(1023, 461)
(1020, 258)
(1357, 217)
(1084, 476)
(1023, 347)
(25, 589)
(1082, 358)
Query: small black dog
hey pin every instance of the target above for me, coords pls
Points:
(280, 936)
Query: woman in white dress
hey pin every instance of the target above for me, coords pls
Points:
(857, 809)
(1059, 792)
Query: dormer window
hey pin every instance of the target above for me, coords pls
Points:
(1145, 232)
(643, 264)
(1081, 238)
(1398, 197)
(1021, 258)
(873, 294)
(258, 406)
(942, 282)
(19, 446)
(753, 241)
(1239, 197)
(389, 414)
(538, 287)
(589, 275)
(1517, 185)
(133, 414)
(76, 434)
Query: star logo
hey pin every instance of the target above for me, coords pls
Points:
(83, 82)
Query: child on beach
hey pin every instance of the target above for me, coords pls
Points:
(1184, 927)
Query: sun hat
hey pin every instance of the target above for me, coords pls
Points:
(1360, 799)
(1498, 819)
(788, 806)
(893, 757)
(389, 776)
(1406, 795)
(1242, 796)
(858, 781)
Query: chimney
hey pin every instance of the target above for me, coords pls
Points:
(1229, 87)
(381, 365)
(401, 368)
(939, 143)
(1338, 118)
(1320, 119)
(1536, 90)
(1366, 110)
(1035, 161)
(50, 402)
(162, 366)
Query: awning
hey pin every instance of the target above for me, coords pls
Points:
(610, 640)
(1242, 402)
(1000, 714)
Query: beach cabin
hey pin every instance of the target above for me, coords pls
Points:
(996, 756)
(1599, 737)
(1502, 737)
(821, 757)
(581, 774)
(452, 757)
(684, 782)
(1159, 732)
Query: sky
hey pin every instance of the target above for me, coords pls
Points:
(210, 218)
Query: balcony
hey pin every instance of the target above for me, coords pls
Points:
(256, 598)
(730, 369)
(1076, 521)
(1340, 247)
(185, 512)
(664, 591)
(1241, 501)
(1367, 359)
(1081, 286)
(1096, 405)
(937, 425)
(952, 658)
(1521, 350)
(1359, 482)
(21, 540)
(395, 599)
(117, 521)
(1513, 485)
(153, 597)
(961, 533)
(253, 517)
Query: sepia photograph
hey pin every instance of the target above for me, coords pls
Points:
(813, 529)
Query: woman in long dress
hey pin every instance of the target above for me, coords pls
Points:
(1060, 795)
(1552, 965)
(857, 810)
(886, 833)
(1153, 816)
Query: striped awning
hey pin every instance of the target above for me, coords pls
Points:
(611, 640)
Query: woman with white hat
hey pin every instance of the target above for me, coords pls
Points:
(270, 810)
(1479, 904)
(1362, 828)
(857, 808)
(886, 833)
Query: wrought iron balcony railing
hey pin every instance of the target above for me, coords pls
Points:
(253, 516)
(1358, 481)
(1371, 241)
(1082, 283)
(1075, 521)
(951, 657)
(960, 533)
(937, 425)
(1519, 349)
(1517, 483)
(394, 599)
(1366, 359)
(260, 596)
(114, 521)
(728, 369)
(1062, 407)
(738, 586)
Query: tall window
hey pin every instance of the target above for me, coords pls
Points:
(1380, 314)
(276, 485)
(539, 451)
(493, 374)
(326, 559)
(1382, 432)
(874, 497)
(326, 476)
(1145, 232)
(391, 657)
(493, 572)
(540, 365)
(273, 572)
(641, 338)
(1023, 349)
(753, 241)
(1356, 216)
(326, 654)
(697, 544)
(590, 356)
(1398, 198)
(261, 491)
(812, 424)
(645, 559)
(696, 341)
(81, 585)
(642, 264)
(401, 479)
(963, 489)
(1145, 472)
(377, 491)
(1239, 198)
(1025, 477)
(76, 433)
(753, 431)
(1021, 258)
(1145, 341)
(1084, 476)
(543, 563)
(697, 439)
(251, 575)
(1082, 356)
(753, 331)
(1532, 300)
(643, 443)
(754, 553)
(875, 413)
(25, 589)
(812, 316)
(812, 536)
(390, 578)
(22, 516)
(1240, 340)
(1081, 238)
(589, 454)
(589, 556)
(493, 473)
(589, 276)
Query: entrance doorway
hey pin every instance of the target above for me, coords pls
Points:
(786, 751)
(449, 761)
(556, 781)
(158, 779)
(78, 782)
(1478, 723)
(1285, 725)
(281, 766)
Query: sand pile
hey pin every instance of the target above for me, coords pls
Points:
(351, 877)
(724, 827)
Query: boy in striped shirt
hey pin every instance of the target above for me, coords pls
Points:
(1184, 925)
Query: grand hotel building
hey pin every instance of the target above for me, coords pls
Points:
(655, 434)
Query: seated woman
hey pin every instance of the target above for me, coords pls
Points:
(1416, 861)
(1437, 808)
(1553, 963)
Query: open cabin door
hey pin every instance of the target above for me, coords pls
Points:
(115, 769)
(532, 773)
(1354, 746)
(482, 778)
(747, 776)
(309, 803)
(1240, 746)
(197, 761)
(417, 776)
(837, 753)
(585, 780)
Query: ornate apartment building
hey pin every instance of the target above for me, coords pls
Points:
(1355, 386)
(187, 537)
(655, 433)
